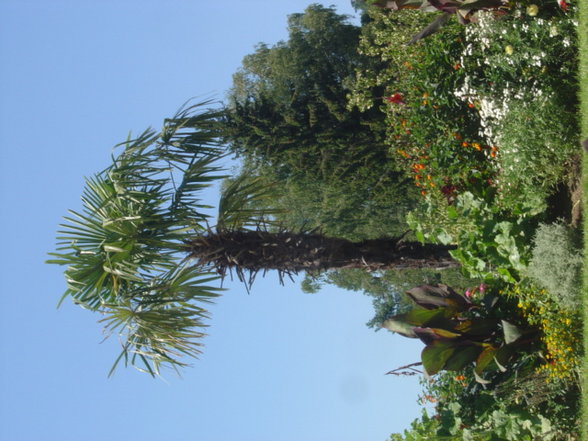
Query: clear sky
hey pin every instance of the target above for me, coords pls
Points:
(279, 365)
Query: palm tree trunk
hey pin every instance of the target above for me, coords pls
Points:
(290, 253)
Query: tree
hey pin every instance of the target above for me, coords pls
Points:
(288, 119)
(143, 254)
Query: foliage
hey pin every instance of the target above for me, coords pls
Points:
(465, 407)
(490, 243)
(427, 127)
(288, 121)
(422, 429)
(560, 338)
(355, 209)
(288, 101)
(121, 252)
(538, 146)
(458, 112)
(517, 69)
(556, 264)
(457, 332)
(498, 421)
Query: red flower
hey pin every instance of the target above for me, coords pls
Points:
(395, 99)
(563, 5)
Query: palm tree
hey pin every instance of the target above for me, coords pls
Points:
(143, 254)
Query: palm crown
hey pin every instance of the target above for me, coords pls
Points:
(125, 251)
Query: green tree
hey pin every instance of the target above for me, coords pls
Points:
(143, 254)
(289, 121)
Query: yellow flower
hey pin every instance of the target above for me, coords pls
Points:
(532, 10)
(509, 50)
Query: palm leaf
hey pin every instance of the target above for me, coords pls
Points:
(164, 321)
(240, 201)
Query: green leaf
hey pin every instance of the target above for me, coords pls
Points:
(399, 325)
(511, 332)
(463, 356)
(435, 296)
(445, 238)
(485, 358)
(435, 355)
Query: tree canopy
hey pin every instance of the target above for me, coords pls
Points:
(289, 121)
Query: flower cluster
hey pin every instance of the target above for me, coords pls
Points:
(560, 334)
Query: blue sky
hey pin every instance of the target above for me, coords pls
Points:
(279, 365)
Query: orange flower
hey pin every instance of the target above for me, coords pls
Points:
(456, 66)
(471, 105)
(464, 144)
(459, 377)
(476, 146)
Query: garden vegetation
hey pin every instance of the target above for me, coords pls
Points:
(427, 158)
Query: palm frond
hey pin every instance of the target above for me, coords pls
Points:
(241, 204)
(191, 133)
(163, 321)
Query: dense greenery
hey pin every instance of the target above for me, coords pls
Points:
(288, 120)
(494, 159)
(461, 147)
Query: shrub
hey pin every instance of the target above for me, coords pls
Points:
(537, 143)
(561, 333)
(556, 264)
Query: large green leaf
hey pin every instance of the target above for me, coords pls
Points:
(435, 296)
(435, 355)
(399, 325)
(511, 332)
(462, 357)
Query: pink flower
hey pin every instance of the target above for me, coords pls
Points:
(482, 288)
(468, 294)
(397, 98)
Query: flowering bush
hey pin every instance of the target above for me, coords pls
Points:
(562, 344)
(520, 72)
(432, 134)
(492, 103)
